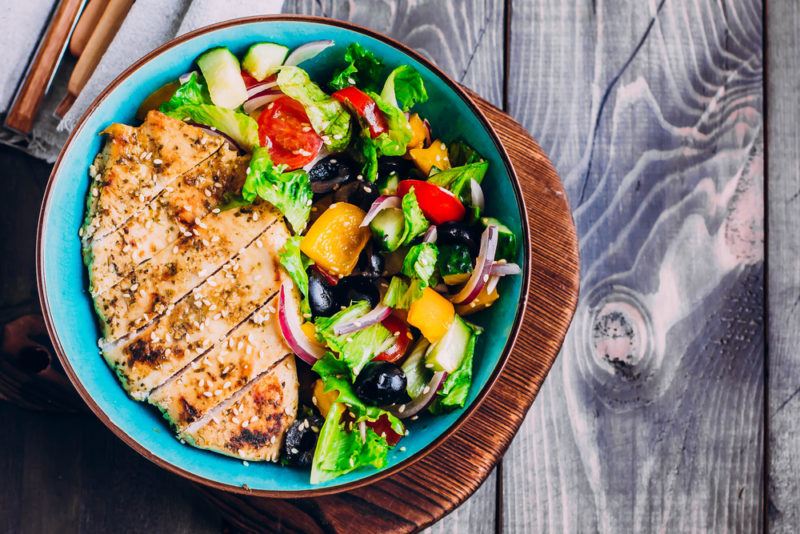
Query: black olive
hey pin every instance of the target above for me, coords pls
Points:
(360, 193)
(370, 263)
(301, 440)
(381, 383)
(454, 233)
(331, 171)
(354, 288)
(394, 165)
(321, 295)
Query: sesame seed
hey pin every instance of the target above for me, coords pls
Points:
(217, 392)
(207, 192)
(402, 408)
(215, 210)
(207, 393)
(226, 385)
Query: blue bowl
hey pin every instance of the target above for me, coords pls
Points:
(63, 282)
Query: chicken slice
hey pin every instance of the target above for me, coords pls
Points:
(201, 319)
(174, 271)
(251, 425)
(253, 347)
(171, 215)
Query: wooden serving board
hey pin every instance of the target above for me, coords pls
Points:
(435, 485)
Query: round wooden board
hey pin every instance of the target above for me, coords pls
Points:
(435, 485)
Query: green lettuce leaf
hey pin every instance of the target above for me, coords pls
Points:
(460, 153)
(355, 349)
(192, 93)
(401, 294)
(395, 141)
(327, 115)
(238, 126)
(454, 259)
(295, 264)
(404, 88)
(289, 192)
(365, 151)
(455, 389)
(414, 223)
(341, 450)
(457, 179)
(420, 263)
(362, 68)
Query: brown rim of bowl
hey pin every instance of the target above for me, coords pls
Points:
(278, 493)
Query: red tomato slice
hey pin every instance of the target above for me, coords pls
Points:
(438, 204)
(365, 107)
(383, 426)
(249, 81)
(402, 340)
(283, 126)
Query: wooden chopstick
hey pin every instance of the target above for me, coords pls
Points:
(110, 21)
(86, 25)
(25, 105)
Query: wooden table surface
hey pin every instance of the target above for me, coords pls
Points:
(665, 411)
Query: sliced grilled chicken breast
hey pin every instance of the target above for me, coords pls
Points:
(251, 425)
(173, 214)
(137, 164)
(154, 285)
(253, 347)
(201, 319)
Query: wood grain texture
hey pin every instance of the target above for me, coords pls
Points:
(436, 484)
(465, 39)
(652, 419)
(783, 194)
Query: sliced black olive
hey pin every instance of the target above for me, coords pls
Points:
(321, 295)
(301, 440)
(354, 288)
(381, 383)
(455, 233)
(331, 171)
(397, 165)
(370, 263)
(360, 193)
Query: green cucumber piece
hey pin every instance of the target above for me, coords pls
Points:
(387, 226)
(417, 375)
(263, 59)
(223, 76)
(447, 353)
(506, 240)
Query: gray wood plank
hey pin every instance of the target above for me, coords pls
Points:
(465, 39)
(652, 419)
(783, 194)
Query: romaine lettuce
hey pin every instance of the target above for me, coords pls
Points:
(295, 263)
(404, 88)
(420, 263)
(328, 116)
(363, 68)
(394, 141)
(414, 223)
(457, 179)
(401, 294)
(289, 192)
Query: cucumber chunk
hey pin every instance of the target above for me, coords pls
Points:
(387, 226)
(263, 59)
(223, 75)
(506, 239)
(447, 353)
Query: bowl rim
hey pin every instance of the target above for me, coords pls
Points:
(245, 490)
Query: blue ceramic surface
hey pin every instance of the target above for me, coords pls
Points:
(64, 280)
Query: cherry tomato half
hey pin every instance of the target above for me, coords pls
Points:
(383, 426)
(283, 127)
(365, 107)
(397, 326)
(438, 204)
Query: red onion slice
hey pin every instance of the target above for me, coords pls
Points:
(307, 51)
(483, 268)
(289, 319)
(492, 283)
(260, 101)
(411, 409)
(375, 315)
(476, 192)
(261, 87)
(500, 268)
(430, 235)
(380, 204)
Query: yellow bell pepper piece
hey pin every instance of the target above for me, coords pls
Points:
(432, 314)
(323, 399)
(481, 302)
(335, 239)
(418, 130)
(433, 156)
(455, 279)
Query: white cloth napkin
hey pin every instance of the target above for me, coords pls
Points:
(149, 24)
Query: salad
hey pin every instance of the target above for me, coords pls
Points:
(391, 248)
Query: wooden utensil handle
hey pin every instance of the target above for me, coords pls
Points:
(86, 25)
(26, 103)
